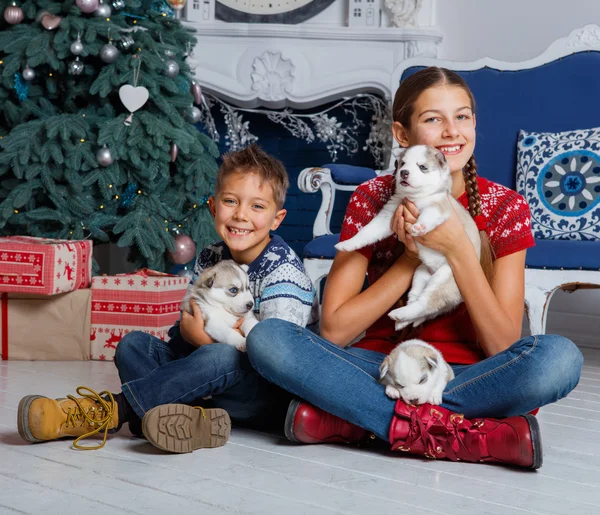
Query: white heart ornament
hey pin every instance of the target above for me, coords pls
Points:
(133, 98)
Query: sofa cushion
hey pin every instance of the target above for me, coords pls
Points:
(572, 255)
(322, 247)
(559, 176)
(349, 174)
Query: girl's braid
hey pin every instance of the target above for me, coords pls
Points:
(470, 176)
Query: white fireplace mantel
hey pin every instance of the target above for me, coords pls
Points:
(302, 65)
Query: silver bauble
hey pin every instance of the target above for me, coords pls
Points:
(104, 157)
(13, 14)
(126, 43)
(193, 114)
(109, 53)
(103, 11)
(172, 68)
(76, 67)
(28, 73)
(77, 47)
(118, 5)
(87, 6)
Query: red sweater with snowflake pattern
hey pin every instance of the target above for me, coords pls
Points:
(508, 226)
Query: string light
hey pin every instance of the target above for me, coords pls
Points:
(110, 185)
(82, 140)
(139, 192)
(16, 211)
(50, 74)
(101, 206)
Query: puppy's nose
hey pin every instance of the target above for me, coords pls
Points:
(404, 173)
(413, 401)
(249, 305)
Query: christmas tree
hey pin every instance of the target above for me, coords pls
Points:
(97, 127)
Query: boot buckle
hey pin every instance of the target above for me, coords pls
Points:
(457, 418)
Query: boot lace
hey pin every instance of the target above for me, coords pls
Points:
(437, 437)
(97, 417)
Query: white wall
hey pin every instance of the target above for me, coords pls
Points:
(508, 30)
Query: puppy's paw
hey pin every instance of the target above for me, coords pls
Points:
(241, 346)
(392, 392)
(418, 230)
(418, 321)
(346, 246)
(435, 399)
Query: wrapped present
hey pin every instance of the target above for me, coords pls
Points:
(41, 327)
(44, 266)
(146, 301)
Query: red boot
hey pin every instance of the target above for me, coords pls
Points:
(306, 423)
(435, 432)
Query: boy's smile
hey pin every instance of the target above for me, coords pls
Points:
(245, 212)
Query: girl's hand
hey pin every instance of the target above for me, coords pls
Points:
(192, 327)
(238, 325)
(404, 217)
(447, 238)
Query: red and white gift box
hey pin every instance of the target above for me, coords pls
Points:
(44, 266)
(146, 301)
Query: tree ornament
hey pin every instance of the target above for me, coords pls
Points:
(87, 6)
(187, 272)
(196, 91)
(176, 5)
(109, 53)
(13, 14)
(76, 67)
(118, 5)
(126, 43)
(173, 152)
(49, 21)
(193, 114)
(185, 250)
(133, 97)
(104, 156)
(172, 68)
(28, 73)
(103, 11)
(77, 46)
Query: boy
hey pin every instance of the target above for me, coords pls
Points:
(191, 369)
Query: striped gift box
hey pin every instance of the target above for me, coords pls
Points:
(146, 301)
(44, 266)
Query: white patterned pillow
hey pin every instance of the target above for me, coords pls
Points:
(559, 176)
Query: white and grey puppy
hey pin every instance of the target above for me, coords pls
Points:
(416, 372)
(222, 292)
(422, 176)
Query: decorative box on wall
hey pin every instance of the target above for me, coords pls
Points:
(303, 65)
(146, 301)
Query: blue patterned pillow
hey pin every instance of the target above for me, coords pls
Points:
(559, 175)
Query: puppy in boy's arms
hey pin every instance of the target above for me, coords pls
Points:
(422, 176)
(416, 372)
(222, 292)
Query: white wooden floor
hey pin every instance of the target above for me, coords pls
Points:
(264, 474)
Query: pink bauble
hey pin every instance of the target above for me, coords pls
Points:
(196, 91)
(87, 6)
(185, 250)
(13, 14)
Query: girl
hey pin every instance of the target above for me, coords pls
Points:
(495, 377)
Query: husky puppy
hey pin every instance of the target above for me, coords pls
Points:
(422, 176)
(416, 372)
(222, 292)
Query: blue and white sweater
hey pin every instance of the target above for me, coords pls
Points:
(278, 282)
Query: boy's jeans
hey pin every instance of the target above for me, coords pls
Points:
(154, 372)
(533, 372)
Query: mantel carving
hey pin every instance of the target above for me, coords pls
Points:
(305, 65)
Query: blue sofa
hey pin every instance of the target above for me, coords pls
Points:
(556, 92)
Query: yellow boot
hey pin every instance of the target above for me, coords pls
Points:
(41, 419)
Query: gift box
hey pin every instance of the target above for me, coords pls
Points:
(146, 301)
(41, 327)
(44, 266)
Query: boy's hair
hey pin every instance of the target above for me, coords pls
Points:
(253, 159)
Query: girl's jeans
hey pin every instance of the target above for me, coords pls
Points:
(533, 372)
(155, 372)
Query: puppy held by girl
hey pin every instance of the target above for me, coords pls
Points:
(422, 176)
(416, 372)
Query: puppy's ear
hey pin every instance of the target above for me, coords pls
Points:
(398, 153)
(434, 153)
(210, 279)
(383, 369)
(432, 361)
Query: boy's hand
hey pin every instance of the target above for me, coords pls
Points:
(192, 327)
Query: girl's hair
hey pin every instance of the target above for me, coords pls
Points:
(407, 94)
